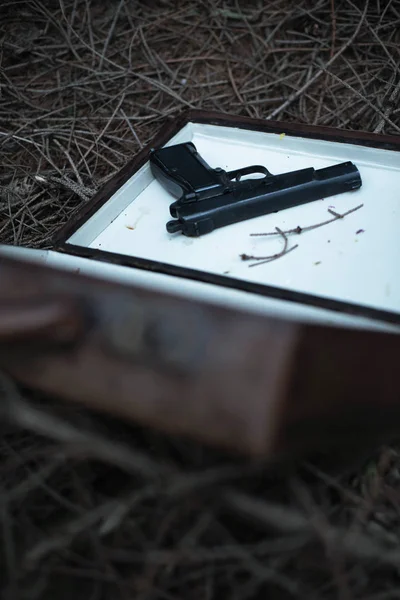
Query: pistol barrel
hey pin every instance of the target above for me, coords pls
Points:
(256, 197)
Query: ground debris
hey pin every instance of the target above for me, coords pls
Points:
(83, 87)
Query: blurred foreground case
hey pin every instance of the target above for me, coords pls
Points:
(247, 383)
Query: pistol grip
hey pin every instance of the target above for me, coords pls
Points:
(184, 174)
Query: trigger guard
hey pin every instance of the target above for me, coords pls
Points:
(239, 173)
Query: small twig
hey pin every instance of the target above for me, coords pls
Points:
(81, 191)
(299, 229)
(332, 53)
(110, 33)
(333, 20)
(71, 162)
(261, 260)
(265, 259)
(388, 111)
(237, 93)
(135, 135)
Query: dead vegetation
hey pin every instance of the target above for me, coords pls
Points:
(92, 508)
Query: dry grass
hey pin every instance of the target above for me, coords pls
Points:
(94, 509)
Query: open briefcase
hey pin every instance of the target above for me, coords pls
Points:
(266, 345)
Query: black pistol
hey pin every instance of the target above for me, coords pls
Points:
(209, 198)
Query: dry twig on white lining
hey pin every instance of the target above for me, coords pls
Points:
(265, 259)
(298, 230)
